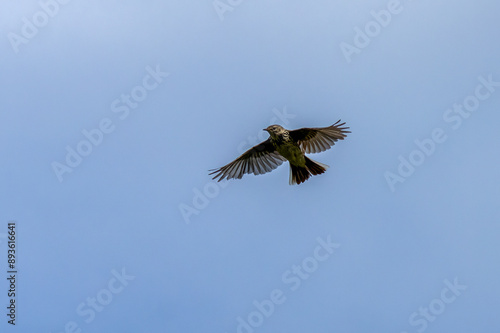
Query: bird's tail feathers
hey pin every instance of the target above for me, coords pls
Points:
(315, 168)
(300, 174)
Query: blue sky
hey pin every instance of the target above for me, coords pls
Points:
(113, 113)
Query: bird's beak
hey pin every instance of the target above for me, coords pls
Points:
(265, 129)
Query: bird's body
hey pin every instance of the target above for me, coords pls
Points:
(291, 151)
(284, 145)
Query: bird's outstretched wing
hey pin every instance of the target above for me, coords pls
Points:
(316, 140)
(259, 159)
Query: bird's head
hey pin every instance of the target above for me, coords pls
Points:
(274, 130)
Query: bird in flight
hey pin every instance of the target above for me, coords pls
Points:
(284, 145)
